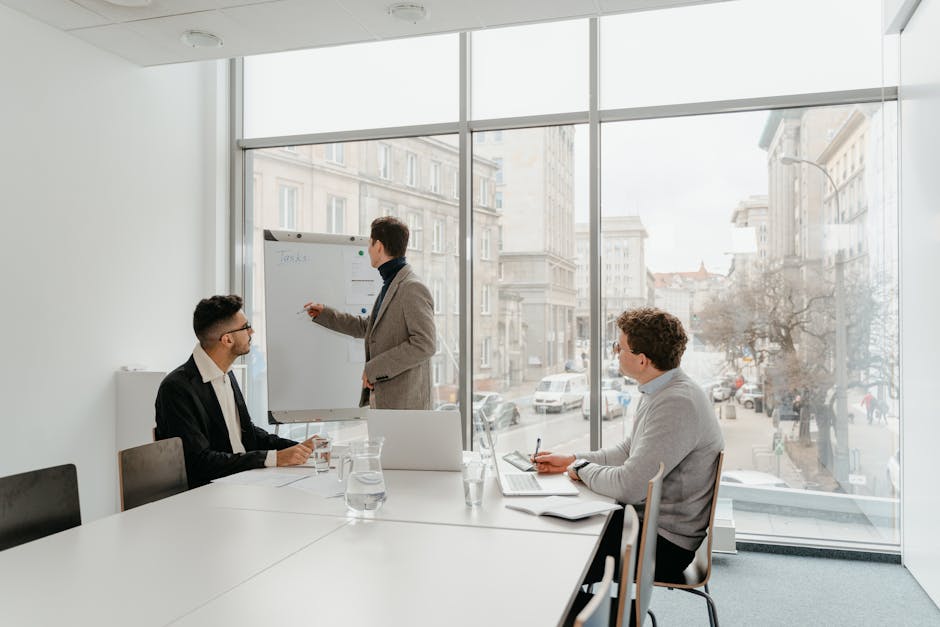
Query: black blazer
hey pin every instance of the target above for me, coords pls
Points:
(188, 408)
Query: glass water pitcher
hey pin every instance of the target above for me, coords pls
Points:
(361, 467)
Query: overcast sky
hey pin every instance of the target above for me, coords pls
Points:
(682, 176)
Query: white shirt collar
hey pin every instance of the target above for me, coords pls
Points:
(207, 368)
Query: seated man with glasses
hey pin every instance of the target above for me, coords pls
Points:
(200, 402)
(675, 424)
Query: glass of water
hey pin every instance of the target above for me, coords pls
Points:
(473, 482)
(322, 447)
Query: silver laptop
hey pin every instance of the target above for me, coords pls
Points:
(514, 483)
(417, 440)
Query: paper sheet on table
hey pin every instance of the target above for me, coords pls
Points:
(324, 484)
(261, 476)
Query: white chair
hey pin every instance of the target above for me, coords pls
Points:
(698, 573)
(597, 612)
(646, 560)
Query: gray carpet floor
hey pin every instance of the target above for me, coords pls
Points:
(767, 589)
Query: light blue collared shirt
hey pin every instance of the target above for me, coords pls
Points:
(651, 387)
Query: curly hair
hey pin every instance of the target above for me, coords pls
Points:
(656, 334)
(211, 314)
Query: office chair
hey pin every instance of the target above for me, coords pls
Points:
(631, 523)
(646, 560)
(151, 472)
(597, 612)
(698, 573)
(38, 503)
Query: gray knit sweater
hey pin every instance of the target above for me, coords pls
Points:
(675, 424)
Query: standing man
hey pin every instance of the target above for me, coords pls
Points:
(400, 335)
(675, 424)
(200, 402)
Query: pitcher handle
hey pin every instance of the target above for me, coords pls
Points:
(341, 467)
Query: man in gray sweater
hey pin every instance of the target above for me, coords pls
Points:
(675, 424)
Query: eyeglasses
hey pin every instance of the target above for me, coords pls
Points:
(247, 327)
(616, 348)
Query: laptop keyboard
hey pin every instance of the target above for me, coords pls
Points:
(517, 481)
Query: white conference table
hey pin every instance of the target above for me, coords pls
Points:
(234, 554)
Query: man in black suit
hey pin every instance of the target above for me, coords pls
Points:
(200, 402)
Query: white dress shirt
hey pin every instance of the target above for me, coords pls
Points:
(222, 386)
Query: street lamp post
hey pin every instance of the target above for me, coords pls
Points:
(842, 427)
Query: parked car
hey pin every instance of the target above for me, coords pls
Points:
(748, 393)
(612, 404)
(498, 411)
(894, 471)
(559, 392)
(753, 479)
(718, 391)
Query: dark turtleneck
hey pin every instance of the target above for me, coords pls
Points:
(388, 270)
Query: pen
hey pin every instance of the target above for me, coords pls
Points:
(538, 444)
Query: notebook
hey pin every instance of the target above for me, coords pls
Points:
(417, 440)
(563, 507)
(514, 483)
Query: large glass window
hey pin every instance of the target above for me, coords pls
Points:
(386, 83)
(326, 199)
(527, 346)
(772, 234)
(787, 291)
(529, 70)
(748, 49)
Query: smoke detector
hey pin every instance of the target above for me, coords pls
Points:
(408, 12)
(200, 39)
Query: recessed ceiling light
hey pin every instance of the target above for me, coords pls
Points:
(408, 11)
(200, 39)
(130, 3)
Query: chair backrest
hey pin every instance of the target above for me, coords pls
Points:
(700, 570)
(38, 503)
(646, 562)
(631, 526)
(151, 472)
(597, 612)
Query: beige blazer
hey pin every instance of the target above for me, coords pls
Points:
(398, 346)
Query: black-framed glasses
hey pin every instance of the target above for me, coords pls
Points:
(247, 327)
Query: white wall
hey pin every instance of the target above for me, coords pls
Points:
(920, 302)
(110, 212)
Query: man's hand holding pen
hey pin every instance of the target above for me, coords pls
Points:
(552, 463)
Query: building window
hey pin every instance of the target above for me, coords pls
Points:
(437, 245)
(497, 136)
(484, 192)
(411, 170)
(485, 353)
(336, 153)
(435, 183)
(485, 244)
(435, 372)
(335, 214)
(485, 300)
(481, 137)
(499, 200)
(287, 207)
(456, 184)
(437, 293)
(499, 170)
(385, 160)
(414, 225)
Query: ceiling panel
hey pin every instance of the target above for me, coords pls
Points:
(238, 39)
(120, 40)
(150, 35)
(501, 13)
(442, 16)
(157, 8)
(292, 24)
(61, 14)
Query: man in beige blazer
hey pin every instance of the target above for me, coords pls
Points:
(400, 335)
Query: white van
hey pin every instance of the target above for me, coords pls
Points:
(559, 392)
